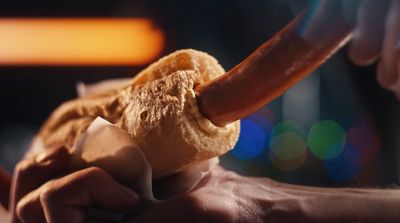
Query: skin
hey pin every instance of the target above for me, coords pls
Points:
(377, 39)
(41, 190)
(221, 196)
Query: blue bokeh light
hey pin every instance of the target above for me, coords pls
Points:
(252, 139)
(343, 167)
(263, 122)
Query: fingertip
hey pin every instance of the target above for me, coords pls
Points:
(397, 87)
(384, 78)
(359, 56)
(368, 34)
(388, 72)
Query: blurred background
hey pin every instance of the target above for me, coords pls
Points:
(335, 128)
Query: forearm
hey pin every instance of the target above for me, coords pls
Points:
(344, 205)
(313, 204)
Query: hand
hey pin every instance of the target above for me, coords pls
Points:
(221, 196)
(377, 36)
(37, 196)
(225, 197)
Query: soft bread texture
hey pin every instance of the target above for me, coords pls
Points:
(159, 111)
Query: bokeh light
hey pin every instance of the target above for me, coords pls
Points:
(343, 167)
(352, 154)
(79, 41)
(262, 121)
(326, 139)
(365, 137)
(251, 140)
(254, 131)
(364, 120)
(366, 141)
(287, 165)
(287, 126)
(287, 151)
(288, 146)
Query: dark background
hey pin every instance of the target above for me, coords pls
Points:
(229, 30)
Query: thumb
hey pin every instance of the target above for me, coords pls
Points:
(183, 181)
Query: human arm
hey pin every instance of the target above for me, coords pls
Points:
(224, 196)
(221, 196)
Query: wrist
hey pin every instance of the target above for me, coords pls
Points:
(274, 205)
(287, 210)
(292, 203)
(349, 205)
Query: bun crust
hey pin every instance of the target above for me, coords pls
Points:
(158, 109)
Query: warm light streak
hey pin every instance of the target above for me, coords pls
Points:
(65, 41)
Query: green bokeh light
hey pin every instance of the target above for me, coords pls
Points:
(326, 139)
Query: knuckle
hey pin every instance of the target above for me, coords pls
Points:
(22, 210)
(54, 190)
(47, 193)
(92, 174)
(24, 167)
(27, 208)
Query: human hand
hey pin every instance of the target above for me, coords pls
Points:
(226, 197)
(221, 196)
(377, 37)
(38, 196)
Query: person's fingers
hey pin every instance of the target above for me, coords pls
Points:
(388, 75)
(366, 45)
(5, 182)
(29, 209)
(67, 199)
(31, 173)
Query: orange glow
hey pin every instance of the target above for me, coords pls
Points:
(59, 41)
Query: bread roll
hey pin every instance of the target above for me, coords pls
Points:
(158, 109)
